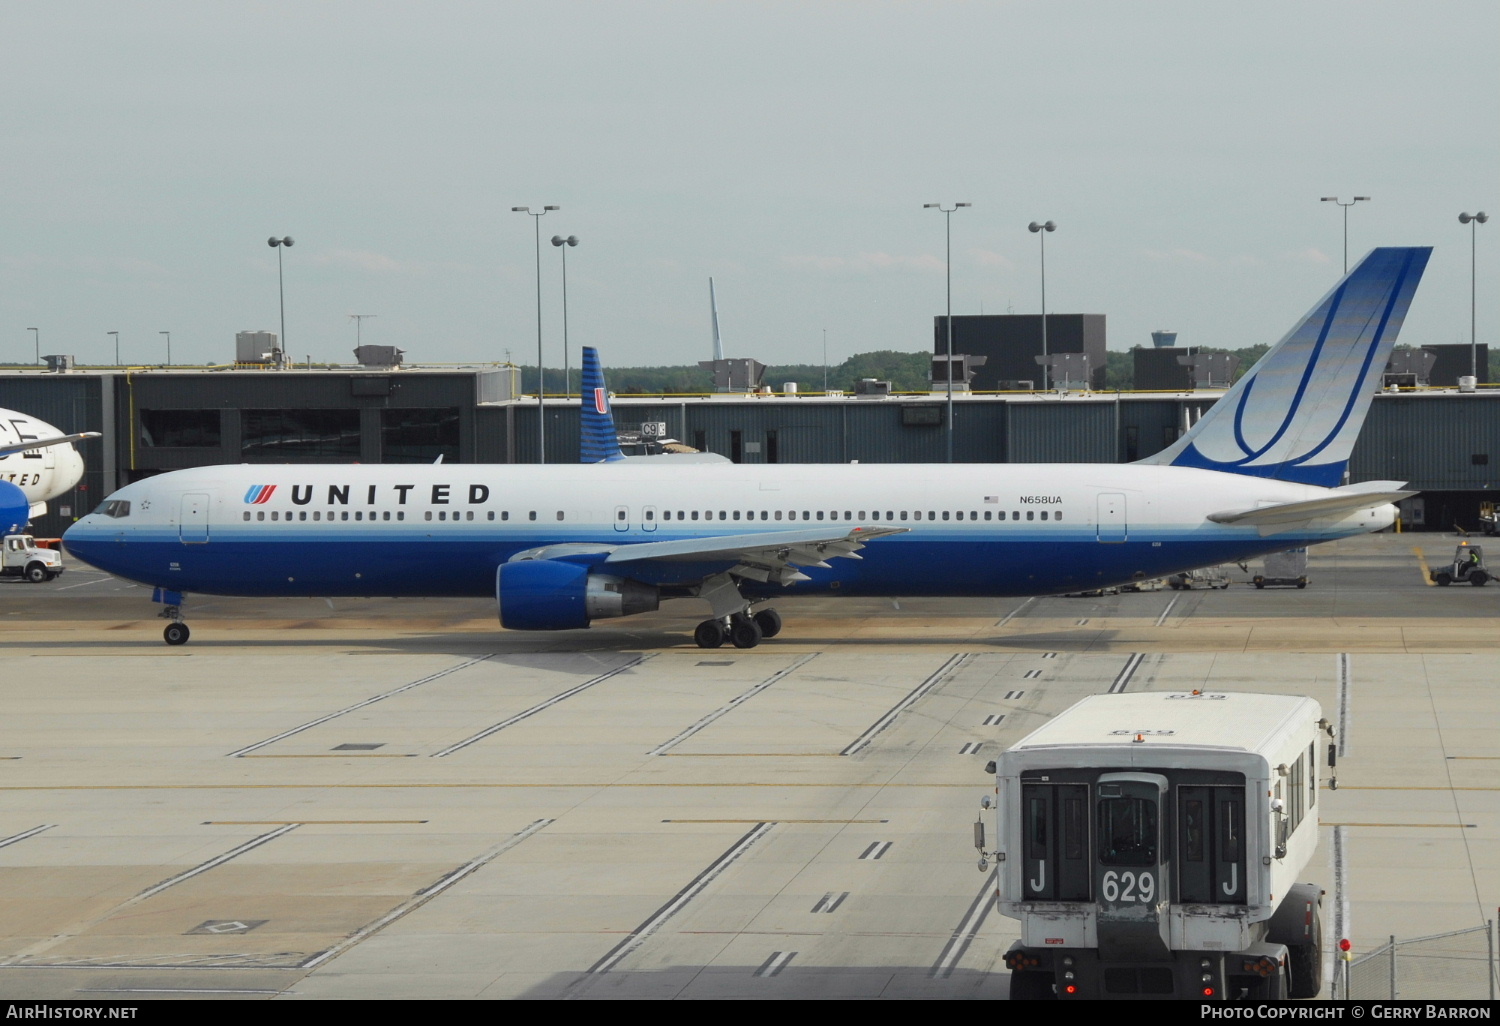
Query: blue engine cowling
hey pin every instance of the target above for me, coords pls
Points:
(554, 595)
(15, 509)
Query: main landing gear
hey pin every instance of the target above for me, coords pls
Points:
(743, 630)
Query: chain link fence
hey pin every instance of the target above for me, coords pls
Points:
(1456, 965)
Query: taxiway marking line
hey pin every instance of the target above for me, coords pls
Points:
(425, 895)
(968, 927)
(541, 706)
(332, 755)
(203, 867)
(1422, 562)
(241, 752)
(750, 755)
(953, 665)
(1166, 612)
(1122, 680)
(678, 901)
(307, 822)
(1015, 612)
(731, 705)
(13, 838)
(775, 820)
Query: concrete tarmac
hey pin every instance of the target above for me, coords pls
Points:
(397, 799)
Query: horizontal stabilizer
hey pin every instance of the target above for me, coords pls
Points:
(43, 443)
(1338, 503)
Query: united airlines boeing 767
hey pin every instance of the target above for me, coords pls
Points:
(561, 546)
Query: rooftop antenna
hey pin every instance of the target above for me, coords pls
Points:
(359, 321)
(713, 307)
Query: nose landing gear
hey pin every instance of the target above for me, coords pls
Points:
(176, 632)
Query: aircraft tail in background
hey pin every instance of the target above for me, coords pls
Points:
(598, 441)
(1296, 414)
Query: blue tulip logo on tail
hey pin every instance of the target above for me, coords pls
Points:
(598, 441)
(15, 509)
(1296, 415)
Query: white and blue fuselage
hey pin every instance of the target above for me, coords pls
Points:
(972, 530)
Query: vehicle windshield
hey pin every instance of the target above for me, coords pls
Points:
(1127, 831)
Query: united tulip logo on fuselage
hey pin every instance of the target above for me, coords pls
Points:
(259, 494)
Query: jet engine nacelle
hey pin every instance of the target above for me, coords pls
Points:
(15, 509)
(553, 595)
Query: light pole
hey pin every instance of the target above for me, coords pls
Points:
(278, 245)
(1042, 230)
(571, 240)
(541, 420)
(37, 338)
(948, 272)
(1473, 221)
(169, 346)
(116, 334)
(1346, 206)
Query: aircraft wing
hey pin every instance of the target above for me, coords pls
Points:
(42, 443)
(1339, 502)
(766, 556)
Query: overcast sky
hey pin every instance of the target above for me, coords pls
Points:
(786, 149)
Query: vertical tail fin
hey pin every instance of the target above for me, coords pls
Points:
(1296, 414)
(598, 441)
(713, 309)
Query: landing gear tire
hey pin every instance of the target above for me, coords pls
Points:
(744, 632)
(36, 573)
(709, 634)
(176, 634)
(769, 622)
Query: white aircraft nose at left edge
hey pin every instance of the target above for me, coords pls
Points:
(38, 458)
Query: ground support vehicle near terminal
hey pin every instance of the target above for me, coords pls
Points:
(1467, 567)
(20, 556)
(1286, 569)
(1150, 845)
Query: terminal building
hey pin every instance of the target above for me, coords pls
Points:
(1445, 442)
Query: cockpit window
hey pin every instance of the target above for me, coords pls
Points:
(116, 508)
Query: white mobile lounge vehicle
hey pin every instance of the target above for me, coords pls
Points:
(1150, 846)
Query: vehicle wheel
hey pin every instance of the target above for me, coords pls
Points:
(1026, 986)
(769, 622)
(1260, 584)
(709, 634)
(1306, 963)
(1478, 578)
(744, 632)
(36, 573)
(1443, 578)
(176, 634)
(1301, 584)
